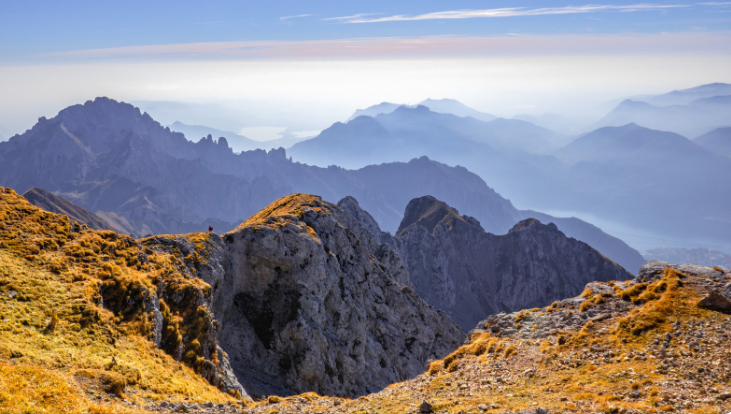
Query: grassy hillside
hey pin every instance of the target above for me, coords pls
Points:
(76, 331)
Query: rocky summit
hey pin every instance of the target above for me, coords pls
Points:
(458, 267)
(308, 300)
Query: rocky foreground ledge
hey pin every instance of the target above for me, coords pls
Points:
(648, 345)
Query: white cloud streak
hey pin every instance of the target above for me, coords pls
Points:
(294, 17)
(353, 17)
(509, 12)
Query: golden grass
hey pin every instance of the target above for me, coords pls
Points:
(55, 326)
(294, 205)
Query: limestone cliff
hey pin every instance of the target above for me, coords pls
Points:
(308, 300)
(458, 267)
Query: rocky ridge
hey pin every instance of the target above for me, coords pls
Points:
(458, 267)
(308, 300)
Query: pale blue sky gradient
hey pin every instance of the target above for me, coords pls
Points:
(307, 64)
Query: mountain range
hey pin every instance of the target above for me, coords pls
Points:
(310, 306)
(443, 106)
(593, 176)
(686, 96)
(690, 120)
(700, 256)
(111, 159)
(648, 179)
(237, 142)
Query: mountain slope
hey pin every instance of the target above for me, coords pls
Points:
(53, 204)
(91, 319)
(609, 246)
(718, 141)
(637, 346)
(458, 267)
(498, 133)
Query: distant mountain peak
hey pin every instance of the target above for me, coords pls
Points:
(629, 103)
(443, 106)
(458, 267)
(454, 107)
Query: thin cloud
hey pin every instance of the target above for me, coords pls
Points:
(294, 17)
(508, 12)
(353, 17)
(509, 44)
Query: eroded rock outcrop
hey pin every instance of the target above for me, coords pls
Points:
(458, 267)
(307, 300)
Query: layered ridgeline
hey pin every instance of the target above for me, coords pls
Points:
(141, 178)
(107, 157)
(631, 165)
(458, 267)
(649, 345)
(691, 120)
(617, 175)
(298, 298)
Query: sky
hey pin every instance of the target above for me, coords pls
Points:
(302, 65)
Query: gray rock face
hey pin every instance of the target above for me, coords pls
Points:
(308, 300)
(457, 267)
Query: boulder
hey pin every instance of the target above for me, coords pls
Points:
(715, 301)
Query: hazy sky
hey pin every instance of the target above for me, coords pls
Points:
(306, 64)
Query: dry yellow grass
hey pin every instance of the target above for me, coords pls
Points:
(60, 350)
(293, 205)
